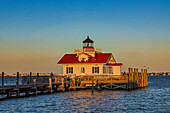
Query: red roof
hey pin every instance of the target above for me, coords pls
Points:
(115, 64)
(71, 58)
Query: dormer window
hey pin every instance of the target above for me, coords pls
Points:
(83, 57)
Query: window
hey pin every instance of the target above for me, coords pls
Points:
(95, 69)
(104, 69)
(92, 69)
(82, 70)
(69, 70)
(108, 70)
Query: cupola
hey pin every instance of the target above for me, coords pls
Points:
(88, 43)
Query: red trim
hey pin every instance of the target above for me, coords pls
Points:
(88, 47)
(115, 64)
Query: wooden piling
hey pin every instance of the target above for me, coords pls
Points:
(97, 83)
(17, 80)
(56, 80)
(146, 78)
(62, 80)
(50, 84)
(127, 85)
(137, 77)
(111, 83)
(132, 78)
(92, 84)
(142, 78)
(37, 74)
(17, 86)
(35, 84)
(2, 79)
(30, 81)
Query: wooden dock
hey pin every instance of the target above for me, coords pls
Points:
(45, 84)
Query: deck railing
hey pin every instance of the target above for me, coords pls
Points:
(87, 50)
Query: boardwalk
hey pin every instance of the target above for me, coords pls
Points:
(43, 84)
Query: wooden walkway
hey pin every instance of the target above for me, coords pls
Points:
(41, 85)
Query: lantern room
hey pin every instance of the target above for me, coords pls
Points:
(88, 43)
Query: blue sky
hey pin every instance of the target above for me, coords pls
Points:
(135, 31)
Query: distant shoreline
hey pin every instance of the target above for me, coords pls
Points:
(49, 75)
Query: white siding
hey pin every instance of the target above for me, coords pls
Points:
(88, 69)
(116, 70)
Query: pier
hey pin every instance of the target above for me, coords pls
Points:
(34, 85)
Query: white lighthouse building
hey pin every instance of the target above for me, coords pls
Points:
(90, 61)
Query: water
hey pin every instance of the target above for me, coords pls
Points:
(155, 98)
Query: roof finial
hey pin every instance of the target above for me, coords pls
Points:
(87, 37)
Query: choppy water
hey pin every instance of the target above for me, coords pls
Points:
(155, 98)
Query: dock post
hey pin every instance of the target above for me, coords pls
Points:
(2, 79)
(35, 82)
(137, 77)
(92, 84)
(17, 85)
(74, 81)
(30, 78)
(129, 81)
(127, 86)
(56, 80)
(37, 74)
(50, 84)
(129, 78)
(142, 76)
(62, 81)
(17, 81)
(146, 78)
(35, 85)
(145, 72)
(132, 80)
(111, 83)
(97, 83)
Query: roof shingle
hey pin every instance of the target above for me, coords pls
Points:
(71, 58)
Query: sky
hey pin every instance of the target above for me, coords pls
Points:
(35, 34)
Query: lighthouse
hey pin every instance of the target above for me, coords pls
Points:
(89, 61)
